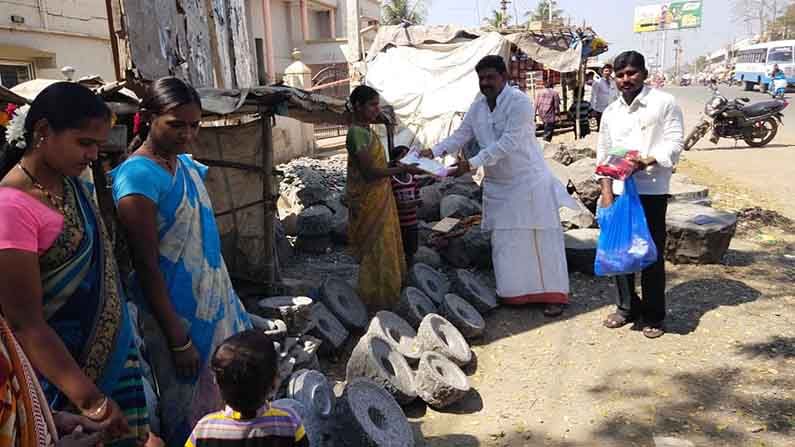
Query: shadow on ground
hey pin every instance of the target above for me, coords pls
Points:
(727, 145)
(722, 406)
(777, 347)
(690, 300)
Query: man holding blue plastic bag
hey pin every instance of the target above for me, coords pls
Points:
(644, 127)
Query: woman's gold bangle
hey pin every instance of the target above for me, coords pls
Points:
(98, 413)
(184, 347)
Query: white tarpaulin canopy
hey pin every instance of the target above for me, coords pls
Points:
(427, 73)
(431, 86)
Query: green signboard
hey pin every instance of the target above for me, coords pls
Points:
(668, 16)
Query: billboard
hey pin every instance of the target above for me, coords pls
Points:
(668, 16)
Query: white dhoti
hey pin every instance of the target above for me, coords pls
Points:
(530, 266)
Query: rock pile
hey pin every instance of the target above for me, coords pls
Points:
(311, 204)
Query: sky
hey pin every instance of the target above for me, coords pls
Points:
(612, 20)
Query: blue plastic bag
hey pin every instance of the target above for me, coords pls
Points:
(625, 244)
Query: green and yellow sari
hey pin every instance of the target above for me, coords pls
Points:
(374, 228)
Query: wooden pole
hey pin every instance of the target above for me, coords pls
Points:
(268, 196)
(578, 99)
(114, 43)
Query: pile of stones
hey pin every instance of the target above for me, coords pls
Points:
(311, 204)
(416, 351)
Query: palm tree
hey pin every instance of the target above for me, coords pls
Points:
(541, 13)
(398, 12)
(498, 20)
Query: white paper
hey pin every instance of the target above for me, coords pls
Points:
(428, 165)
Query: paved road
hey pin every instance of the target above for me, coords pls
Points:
(768, 171)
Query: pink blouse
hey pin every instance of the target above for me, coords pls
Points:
(27, 224)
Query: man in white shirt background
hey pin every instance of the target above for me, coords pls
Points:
(521, 197)
(603, 93)
(650, 121)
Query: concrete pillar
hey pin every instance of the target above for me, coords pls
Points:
(267, 23)
(332, 15)
(354, 41)
(298, 74)
(304, 19)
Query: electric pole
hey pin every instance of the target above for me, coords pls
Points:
(504, 9)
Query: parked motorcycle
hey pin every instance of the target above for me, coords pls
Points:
(756, 124)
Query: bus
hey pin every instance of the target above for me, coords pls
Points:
(755, 63)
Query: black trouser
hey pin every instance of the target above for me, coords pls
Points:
(598, 116)
(410, 237)
(549, 129)
(652, 307)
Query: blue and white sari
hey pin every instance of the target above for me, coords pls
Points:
(84, 304)
(197, 280)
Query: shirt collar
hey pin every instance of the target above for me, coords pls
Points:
(500, 98)
(640, 99)
(231, 413)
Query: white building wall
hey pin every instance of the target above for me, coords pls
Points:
(74, 32)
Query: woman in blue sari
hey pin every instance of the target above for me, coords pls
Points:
(60, 289)
(188, 304)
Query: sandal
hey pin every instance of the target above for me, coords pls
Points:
(653, 331)
(553, 310)
(616, 320)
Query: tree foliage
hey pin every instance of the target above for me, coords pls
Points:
(756, 13)
(541, 13)
(497, 20)
(784, 26)
(396, 12)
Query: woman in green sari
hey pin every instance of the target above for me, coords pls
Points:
(374, 228)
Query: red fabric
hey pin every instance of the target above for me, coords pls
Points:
(536, 298)
(136, 123)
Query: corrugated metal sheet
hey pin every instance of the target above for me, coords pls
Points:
(205, 42)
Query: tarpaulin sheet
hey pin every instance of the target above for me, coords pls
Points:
(555, 50)
(562, 61)
(431, 86)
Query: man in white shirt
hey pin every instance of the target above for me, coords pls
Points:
(603, 93)
(521, 197)
(650, 121)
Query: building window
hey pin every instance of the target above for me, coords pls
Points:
(322, 24)
(13, 73)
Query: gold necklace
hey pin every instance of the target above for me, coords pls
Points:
(55, 200)
(164, 160)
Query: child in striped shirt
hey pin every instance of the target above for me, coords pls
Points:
(407, 199)
(245, 368)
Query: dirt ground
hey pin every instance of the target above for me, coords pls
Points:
(723, 375)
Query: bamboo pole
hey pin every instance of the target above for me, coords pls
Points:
(114, 43)
(269, 197)
(579, 94)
